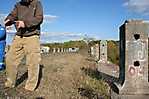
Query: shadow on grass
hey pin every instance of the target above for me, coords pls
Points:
(22, 78)
(110, 80)
(89, 93)
(40, 75)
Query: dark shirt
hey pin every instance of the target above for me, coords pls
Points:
(31, 14)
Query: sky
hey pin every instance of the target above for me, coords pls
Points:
(74, 19)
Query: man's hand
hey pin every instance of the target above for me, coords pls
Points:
(20, 24)
(7, 22)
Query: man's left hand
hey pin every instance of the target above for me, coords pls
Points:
(20, 24)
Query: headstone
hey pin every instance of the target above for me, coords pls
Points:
(58, 50)
(103, 51)
(92, 52)
(54, 50)
(45, 49)
(67, 50)
(62, 50)
(133, 61)
(97, 52)
(104, 65)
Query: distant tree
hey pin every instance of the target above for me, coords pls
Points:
(88, 39)
(113, 52)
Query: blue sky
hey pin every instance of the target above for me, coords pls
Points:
(72, 19)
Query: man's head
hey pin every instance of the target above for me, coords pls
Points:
(26, 1)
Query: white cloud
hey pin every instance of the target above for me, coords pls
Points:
(49, 18)
(60, 36)
(138, 6)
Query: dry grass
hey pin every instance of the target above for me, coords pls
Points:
(62, 78)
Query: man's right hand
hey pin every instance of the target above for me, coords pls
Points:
(7, 22)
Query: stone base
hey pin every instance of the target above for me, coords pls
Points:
(135, 86)
(128, 96)
(108, 68)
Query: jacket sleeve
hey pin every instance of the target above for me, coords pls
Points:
(37, 19)
(13, 15)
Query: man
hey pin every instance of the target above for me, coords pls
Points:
(27, 16)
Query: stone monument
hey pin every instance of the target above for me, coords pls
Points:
(103, 51)
(97, 52)
(133, 61)
(92, 50)
(54, 50)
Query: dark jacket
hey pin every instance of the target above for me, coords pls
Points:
(31, 14)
